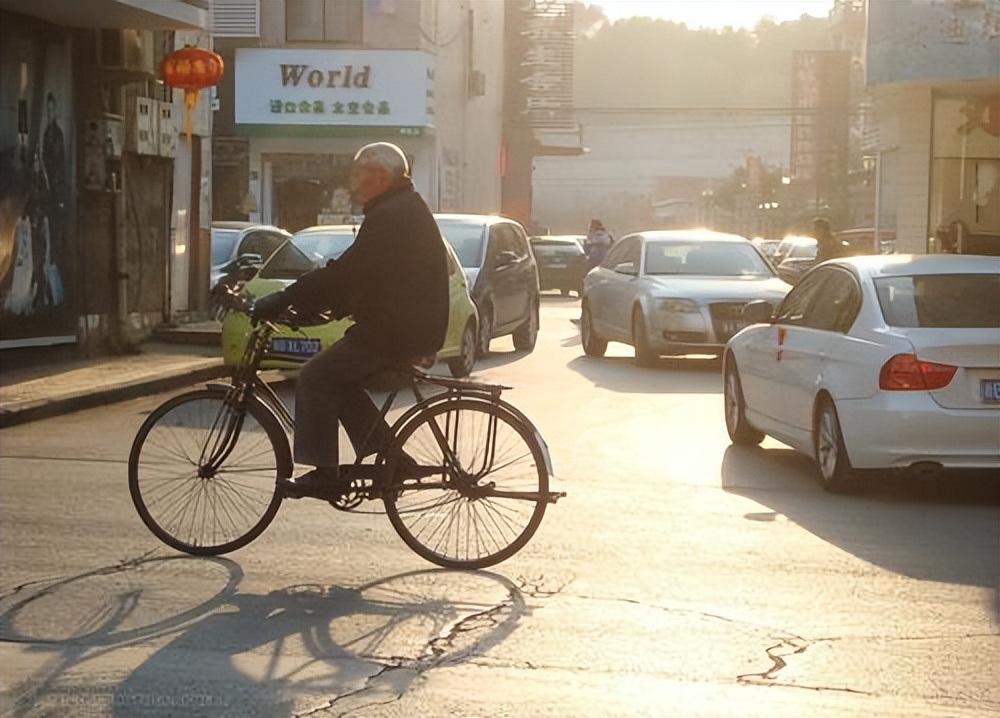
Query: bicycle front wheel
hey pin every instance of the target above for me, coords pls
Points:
(203, 473)
(477, 493)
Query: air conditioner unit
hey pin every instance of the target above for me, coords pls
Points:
(143, 122)
(167, 128)
(126, 51)
(477, 83)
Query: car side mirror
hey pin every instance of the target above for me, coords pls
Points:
(247, 259)
(758, 312)
(627, 268)
(507, 258)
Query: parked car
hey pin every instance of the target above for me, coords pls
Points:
(800, 252)
(311, 248)
(500, 268)
(874, 362)
(237, 245)
(674, 292)
(768, 247)
(562, 263)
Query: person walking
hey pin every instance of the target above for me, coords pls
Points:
(597, 243)
(393, 282)
(827, 245)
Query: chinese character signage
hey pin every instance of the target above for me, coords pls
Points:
(932, 40)
(286, 86)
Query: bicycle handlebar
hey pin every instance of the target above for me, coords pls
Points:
(293, 318)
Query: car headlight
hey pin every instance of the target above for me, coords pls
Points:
(678, 306)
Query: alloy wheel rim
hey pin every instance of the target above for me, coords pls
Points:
(732, 410)
(585, 329)
(485, 330)
(469, 350)
(827, 444)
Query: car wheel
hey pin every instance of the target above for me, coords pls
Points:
(835, 470)
(644, 355)
(526, 335)
(741, 431)
(463, 364)
(564, 292)
(593, 345)
(485, 330)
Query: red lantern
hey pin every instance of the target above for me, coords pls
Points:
(191, 69)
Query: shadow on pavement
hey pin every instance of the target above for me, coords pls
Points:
(670, 376)
(241, 654)
(943, 529)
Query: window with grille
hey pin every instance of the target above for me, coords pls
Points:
(323, 20)
(235, 18)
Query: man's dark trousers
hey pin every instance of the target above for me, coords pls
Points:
(328, 391)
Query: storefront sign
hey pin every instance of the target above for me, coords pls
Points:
(284, 86)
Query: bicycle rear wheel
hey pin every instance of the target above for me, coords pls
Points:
(480, 495)
(204, 473)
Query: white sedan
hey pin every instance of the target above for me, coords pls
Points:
(674, 292)
(875, 362)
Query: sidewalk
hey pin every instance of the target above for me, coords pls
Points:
(48, 390)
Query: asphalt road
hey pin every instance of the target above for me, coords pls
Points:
(680, 577)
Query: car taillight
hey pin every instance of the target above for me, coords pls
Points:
(905, 372)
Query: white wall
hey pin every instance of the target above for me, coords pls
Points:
(627, 153)
(469, 129)
(903, 114)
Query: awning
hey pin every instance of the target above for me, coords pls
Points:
(124, 14)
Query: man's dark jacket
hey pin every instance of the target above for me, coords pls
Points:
(393, 281)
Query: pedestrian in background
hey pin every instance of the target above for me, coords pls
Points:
(597, 244)
(827, 245)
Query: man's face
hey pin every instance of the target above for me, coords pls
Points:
(368, 182)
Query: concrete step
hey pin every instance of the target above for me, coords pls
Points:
(207, 333)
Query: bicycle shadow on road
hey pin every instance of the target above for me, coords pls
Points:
(941, 529)
(272, 654)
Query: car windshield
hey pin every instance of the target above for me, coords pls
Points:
(223, 241)
(804, 250)
(714, 259)
(940, 300)
(545, 248)
(466, 238)
(305, 252)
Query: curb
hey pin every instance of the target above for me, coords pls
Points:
(68, 403)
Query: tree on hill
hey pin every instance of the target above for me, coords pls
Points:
(648, 63)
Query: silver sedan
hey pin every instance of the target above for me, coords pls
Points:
(674, 293)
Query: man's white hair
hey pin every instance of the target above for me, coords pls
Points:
(385, 155)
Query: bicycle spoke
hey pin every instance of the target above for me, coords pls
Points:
(461, 524)
(205, 509)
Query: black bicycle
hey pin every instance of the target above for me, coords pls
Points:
(205, 466)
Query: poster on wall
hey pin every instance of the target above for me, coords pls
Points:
(36, 189)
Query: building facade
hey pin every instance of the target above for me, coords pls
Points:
(314, 80)
(934, 73)
(102, 205)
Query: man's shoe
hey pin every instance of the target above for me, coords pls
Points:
(320, 483)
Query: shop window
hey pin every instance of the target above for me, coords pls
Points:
(323, 20)
(965, 175)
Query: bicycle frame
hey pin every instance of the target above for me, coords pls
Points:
(247, 385)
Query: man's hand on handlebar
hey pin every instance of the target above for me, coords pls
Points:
(269, 307)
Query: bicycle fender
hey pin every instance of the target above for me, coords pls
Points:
(534, 430)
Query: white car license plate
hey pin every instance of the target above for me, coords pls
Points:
(990, 390)
(295, 347)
